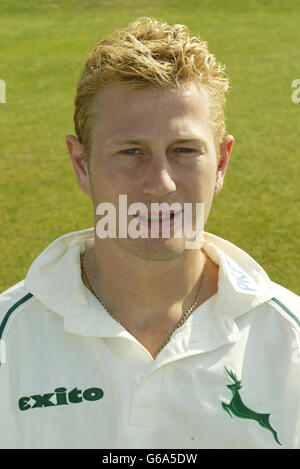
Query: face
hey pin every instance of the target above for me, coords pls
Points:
(154, 146)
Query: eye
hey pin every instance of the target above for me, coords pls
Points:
(189, 150)
(129, 150)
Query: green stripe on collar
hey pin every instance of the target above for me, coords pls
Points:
(289, 312)
(11, 310)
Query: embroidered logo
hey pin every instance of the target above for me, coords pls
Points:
(238, 408)
(60, 397)
(239, 278)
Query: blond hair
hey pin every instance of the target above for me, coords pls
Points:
(149, 52)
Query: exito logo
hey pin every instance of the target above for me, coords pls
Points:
(60, 397)
(161, 218)
(2, 92)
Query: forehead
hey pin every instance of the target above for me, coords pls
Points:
(151, 110)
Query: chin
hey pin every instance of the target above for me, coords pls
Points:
(157, 249)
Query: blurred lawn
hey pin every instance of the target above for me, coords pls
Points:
(44, 44)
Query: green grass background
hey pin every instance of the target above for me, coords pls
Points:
(44, 44)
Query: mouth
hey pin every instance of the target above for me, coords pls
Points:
(160, 221)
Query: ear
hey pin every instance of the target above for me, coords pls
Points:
(79, 160)
(225, 151)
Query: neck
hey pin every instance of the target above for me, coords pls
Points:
(141, 293)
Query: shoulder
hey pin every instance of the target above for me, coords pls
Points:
(12, 302)
(13, 298)
(287, 304)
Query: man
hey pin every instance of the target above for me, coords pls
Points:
(141, 342)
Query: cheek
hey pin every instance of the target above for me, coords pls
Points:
(108, 184)
(204, 186)
(204, 176)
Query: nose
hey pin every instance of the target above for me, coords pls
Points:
(159, 180)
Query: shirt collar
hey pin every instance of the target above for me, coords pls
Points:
(54, 278)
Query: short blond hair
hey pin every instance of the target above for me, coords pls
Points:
(147, 53)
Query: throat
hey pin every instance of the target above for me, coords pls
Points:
(155, 340)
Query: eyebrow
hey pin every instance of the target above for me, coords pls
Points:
(118, 141)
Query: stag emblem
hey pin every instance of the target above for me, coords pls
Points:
(238, 408)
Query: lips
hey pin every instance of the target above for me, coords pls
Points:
(160, 223)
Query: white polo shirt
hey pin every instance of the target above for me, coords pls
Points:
(72, 377)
